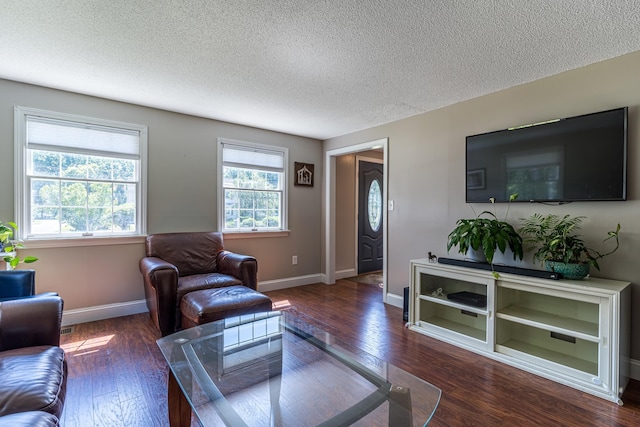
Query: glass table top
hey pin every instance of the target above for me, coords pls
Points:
(274, 369)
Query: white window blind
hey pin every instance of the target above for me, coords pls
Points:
(56, 135)
(250, 156)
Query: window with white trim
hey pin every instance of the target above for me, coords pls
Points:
(79, 176)
(252, 186)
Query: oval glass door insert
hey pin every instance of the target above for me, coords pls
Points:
(374, 205)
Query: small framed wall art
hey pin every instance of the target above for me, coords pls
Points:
(303, 174)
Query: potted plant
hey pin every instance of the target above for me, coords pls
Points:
(486, 233)
(558, 246)
(9, 247)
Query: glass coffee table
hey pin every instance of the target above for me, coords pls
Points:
(272, 369)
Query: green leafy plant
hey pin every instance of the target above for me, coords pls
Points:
(555, 239)
(487, 233)
(10, 246)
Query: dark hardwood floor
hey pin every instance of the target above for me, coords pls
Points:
(117, 376)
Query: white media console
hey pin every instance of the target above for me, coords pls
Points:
(572, 332)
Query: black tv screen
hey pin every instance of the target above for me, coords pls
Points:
(579, 158)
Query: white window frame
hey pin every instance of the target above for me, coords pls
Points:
(22, 191)
(285, 189)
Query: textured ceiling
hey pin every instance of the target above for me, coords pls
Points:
(306, 67)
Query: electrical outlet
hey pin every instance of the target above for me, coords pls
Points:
(294, 260)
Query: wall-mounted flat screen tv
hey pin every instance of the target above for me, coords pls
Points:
(581, 158)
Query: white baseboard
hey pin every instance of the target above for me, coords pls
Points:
(342, 274)
(634, 369)
(100, 312)
(394, 300)
(291, 282)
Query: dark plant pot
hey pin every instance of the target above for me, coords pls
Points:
(568, 271)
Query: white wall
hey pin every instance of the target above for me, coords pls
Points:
(427, 163)
(182, 197)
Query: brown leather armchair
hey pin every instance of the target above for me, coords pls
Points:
(178, 263)
(33, 367)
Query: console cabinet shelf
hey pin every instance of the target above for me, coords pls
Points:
(572, 332)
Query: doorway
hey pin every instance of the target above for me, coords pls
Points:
(330, 211)
(370, 239)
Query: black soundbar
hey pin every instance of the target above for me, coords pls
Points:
(502, 268)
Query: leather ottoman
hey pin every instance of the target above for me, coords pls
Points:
(208, 305)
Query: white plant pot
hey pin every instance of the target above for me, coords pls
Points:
(475, 255)
(506, 258)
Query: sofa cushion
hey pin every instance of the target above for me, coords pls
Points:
(32, 379)
(29, 419)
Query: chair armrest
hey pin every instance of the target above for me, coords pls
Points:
(161, 291)
(43, 294)
(30, 322)
(160, 274)
(46, 294)
(244, 267)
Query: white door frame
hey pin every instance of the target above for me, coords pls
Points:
(330, 201)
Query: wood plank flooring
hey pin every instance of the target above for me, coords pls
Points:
(117, 376)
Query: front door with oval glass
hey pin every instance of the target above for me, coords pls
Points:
(370, 211)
